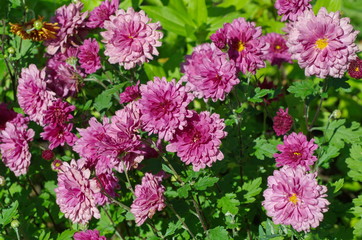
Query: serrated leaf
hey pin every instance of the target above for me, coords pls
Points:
(302, 89)
(252, 188)
(229, 203)
(338, 185)
(263, 148)
(357, 211)
(198, 11)
(338, 133)
(330, 153)
(259, 94)
(44, 236)
(167, 169)
(50, 186)
(354, 162)
(330, 5)
(205, 182)
(103, 101)
(218, 233)
(66, 235)
(8, 214)
(183, 192)
(172, 227)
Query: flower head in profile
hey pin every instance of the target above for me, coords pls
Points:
(149, 198)
(88, 235)
(163, 107)
(355, 68)
(293, 197)
(323, 44)
(282, 122)
(102, 13)
(131, 39)
(291, 9)
(209, 73)
(88, 56)
(6, 115)
(296, 151)
(277, 52)
(199, 142)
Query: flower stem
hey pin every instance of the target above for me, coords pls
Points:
(128, 181)
(119, 234)
(181, 220)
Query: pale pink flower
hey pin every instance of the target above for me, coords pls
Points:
(291, 9)
(102, 13)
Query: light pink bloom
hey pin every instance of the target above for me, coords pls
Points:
(88, 56)
(131, 38)
(291, 9)
(282, 122)
(102, 13)
(88, 235)
(293, 197)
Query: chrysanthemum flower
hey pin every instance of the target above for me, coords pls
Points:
(245, 46)
(6, 115)
(36, 29)
(294, 198)
(131, 38)
(33, 96)
(323, 44)
(59, 134)
(71, 21)
(58, 113)
(282, 122)
(47, 154)
(130, 94)
(56, 165)
(102, 13)
(109, 183)
(199, 142)
(149, 198)
(88, 56)
(219, 38)
(164, 107)
(14, 145)
(88, 235)
(75, 193)
(355, 68)
(209, 73)
(296, 150)
(291, 9)
(277, 52)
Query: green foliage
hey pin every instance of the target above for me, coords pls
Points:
(8, 214)
(218, 233)
(205, 182)
(354, 162)
(229, 203)
(251, 188)
(302, 89)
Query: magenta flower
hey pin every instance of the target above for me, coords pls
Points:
(33, 96)
(199, 142)
(219, 38)
(149, 198)
(293, 197)
(71, 21)
(75, 193)
(47, 154)
(102, 13)
(14, 145)
(355, 68)
(56, 165)
(58, 113)
(209, 73)
(130, 94)
(291, 9)
(296, 150)
(88, 56)
(164, 107)
(59, 134)
(282, 122)
(6, 115)
(245, 45)
(88, 235)
(130, 38)
(108, 182)
(323, 44)
(277, 52)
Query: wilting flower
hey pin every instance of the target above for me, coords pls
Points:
(199, 142)
(33, 96)
(164, 107)
(102, 13)
(130, 94)
(130, 38)
(59, 134)
(88, 235)
(277, 52)
(323, 44)
(282, 122)
(88, 56)
(355, 68)
(14, 145)
(209, 73)
(75, 193)
(36, 30)
(291, 9)
(296, 150)
(109, 183)
(149, 198)
(245, 46)
(58, 113)
(6, 115)
(294, 198)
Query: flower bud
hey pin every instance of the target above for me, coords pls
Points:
(38, 25)
(15, 224)
(11, 50)
(2, 181)
(336, 114)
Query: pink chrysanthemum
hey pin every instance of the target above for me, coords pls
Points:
(282, 122)
(58, 113)
(355, 68)
(56, 165)
(219, 38)
(33, 96)
(75, 193)
(108, 182)
(130, 38)
(88, 56)
(245, 46)
(209, 73)
(199, 142)
(291, 9)
(149, 198)
(6, 115)
(47, 154)
(294, 198)
(130, 94)
(71, 21)
(164, 107)
(14, 145)
(88, 235)
(296, 150)
(102, 13)
(58, 134)
(277, 52)
(323, 44)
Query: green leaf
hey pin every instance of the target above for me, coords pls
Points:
(259, 94)
(338, 185)
(183, 192)
(103, 101)
(154, 70)
(339, 133)
(330, 153)
(205, 182)
(66, 235)
(15, 3)
(330, 5)
(87, 105)
(354, 162)
(44, 235)
(252, 188)
(172, 227)
(302, 89)
(8, 214)
(167, 169)
(264, 148)
(198, 11)
(218, 233)
(229, 203)
(357, 211)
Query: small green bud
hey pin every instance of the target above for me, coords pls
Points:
(2, 181)
(336, 114)
(15, 224)
(11, 50)
(38, 25)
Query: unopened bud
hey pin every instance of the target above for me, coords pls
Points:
(38, 25)
(15, 224)
(336, 114)
(11, 50)
(2, 181)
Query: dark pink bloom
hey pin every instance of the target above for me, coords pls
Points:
(219, 38)
(296, 150)
(131, 38)
(277, 52)
(88, 235)
(294, 198)
(47, 154)
(5, 115)
(130, 94)
(58, 113)
(109, 183)
(76, 193)
(323, 44)
(88, 56)
(199, 142)
(102, 13)
(56, 165)
(58, 134)
(291, 9)
(149, 198)
(282, 122)
(355, 68)
(164, 107)
(209, 73)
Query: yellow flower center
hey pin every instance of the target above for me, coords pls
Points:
(297, 153)
(321, 43)
(277, 47)
(58, 164)
(240, 47)
(294, 199)
(357, 69)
